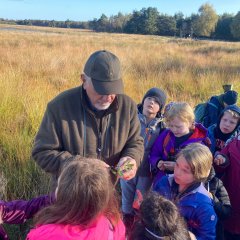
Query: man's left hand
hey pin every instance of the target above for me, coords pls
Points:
(127, 168)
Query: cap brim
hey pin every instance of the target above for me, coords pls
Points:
(107, 88)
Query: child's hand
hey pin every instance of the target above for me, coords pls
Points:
(160, 165)
(169, 165)
(127, 168)
(219, 159)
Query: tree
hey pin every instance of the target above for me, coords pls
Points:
(149, 21)
(223, 28)
(166, 25)
(235, 26)
(143, 22)
(179, 18)
(205, 23)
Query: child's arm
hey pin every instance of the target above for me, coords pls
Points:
(222, 205)
(203, 223)
(16, 212)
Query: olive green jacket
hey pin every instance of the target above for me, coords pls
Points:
(70, 127)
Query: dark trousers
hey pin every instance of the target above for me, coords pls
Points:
(230, 236)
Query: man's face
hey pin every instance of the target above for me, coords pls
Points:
(100, 102)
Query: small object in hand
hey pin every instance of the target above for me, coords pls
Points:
(119, 171)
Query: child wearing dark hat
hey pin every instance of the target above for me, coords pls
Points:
(150, 117)
(226, 128)
(217, 104)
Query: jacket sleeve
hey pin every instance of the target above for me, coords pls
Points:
(212, 112)
(205, 219)
(134, 146)
(16, 212)
(47, 150)
(222, 205)
(156, 152)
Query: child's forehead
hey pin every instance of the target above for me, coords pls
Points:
(232, 114)
(178, 119)
(181, 160)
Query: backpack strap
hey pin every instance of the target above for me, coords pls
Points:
(213, 105)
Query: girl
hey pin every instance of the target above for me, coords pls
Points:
(226, 127)
(150, 117)
(85, 206)
(185, 188)
(228, 163)
(159, 219)
(181, 131)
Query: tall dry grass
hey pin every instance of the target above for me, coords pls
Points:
(36, 66)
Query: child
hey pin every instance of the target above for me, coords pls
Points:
(18, 211)
(216, 106)
(181, 131)
(150, 117)
(186, 189)
(221, 201)
(85, 206)
(159, 219)
(225, 128)
(228, 162)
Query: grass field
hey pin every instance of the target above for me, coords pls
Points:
(37, 63)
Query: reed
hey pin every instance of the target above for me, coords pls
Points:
(37, 64)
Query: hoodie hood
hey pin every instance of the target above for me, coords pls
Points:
(233, 108)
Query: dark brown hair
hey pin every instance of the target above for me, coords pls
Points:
(84, 192)
(160, 217)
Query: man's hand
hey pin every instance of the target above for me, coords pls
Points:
(219, 159)
(160, 165)
(127, 168)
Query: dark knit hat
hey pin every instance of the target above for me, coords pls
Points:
(158, 94)
(230, 97)
(104, 69)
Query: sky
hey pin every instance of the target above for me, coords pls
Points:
(85, 10)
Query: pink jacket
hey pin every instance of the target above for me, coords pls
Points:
(101, 230)
(231, 180)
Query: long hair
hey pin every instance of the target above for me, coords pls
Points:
(160, 218)
(84, 192)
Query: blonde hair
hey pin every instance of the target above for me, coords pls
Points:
(199, 158)
(182, 110)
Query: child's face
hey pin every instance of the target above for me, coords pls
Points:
(178, 127)
(228, 123)
(150, 106)
(182, 173)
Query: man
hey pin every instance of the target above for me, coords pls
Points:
(93, 120)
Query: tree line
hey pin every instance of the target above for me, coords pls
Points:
(205, 23)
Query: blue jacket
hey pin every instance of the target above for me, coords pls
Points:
(195, 206)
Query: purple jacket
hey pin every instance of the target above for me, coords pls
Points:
(164, 147)
(18, 211)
